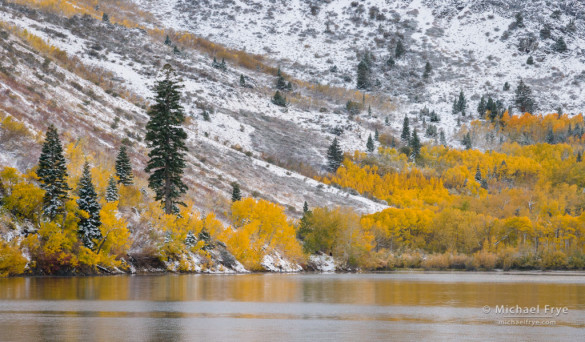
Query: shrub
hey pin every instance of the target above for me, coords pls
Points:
(484, 260)
(576, 262)
(11, 260)
(556, 260)
(436, 262)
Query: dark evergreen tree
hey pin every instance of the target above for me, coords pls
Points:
(280, 82)
(289, 86)
(112, 190)
(579, 157)
(242, 81)
(168, 41)
(370, 144)
(304, 224)
(88, 228)
(428, 70)
(390, 62)
(467, 141)
(545, 32)
(415, 145)
(435, 117)
(519, 20)
(405, 136)
(523, 99)
(236, 192)
(400, 50)
(387, 121)
(105, 18)
(124, 167)
(462, 103)
(506, 86)
(481, 107)
(560, 45)
(334, 156)
(205, 115)
(478, 174)
(530, 61)
(363, 75)
(278, 99)
(442, 138)
(52, 173)
(166, 139)
(376, 135)
(550, 136)
(491, 109)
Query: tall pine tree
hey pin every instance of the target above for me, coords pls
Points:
(370, 144)
(236, 192)
(123, 167)
(524, 99)
(112, 190)
(166, 139)
(334, 156)
(363, 75)
(428, 70)
(280, 82)
(52, 173)
(88, 227)
(400, 50)
(481, 107)
(415, 145)
(405, 136)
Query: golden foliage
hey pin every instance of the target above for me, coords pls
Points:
(260, 227)
(11, 260)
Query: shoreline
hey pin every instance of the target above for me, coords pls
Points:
(397, 271)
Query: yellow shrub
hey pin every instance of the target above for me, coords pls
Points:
(11, 260)
(260, 227)
(436, 262)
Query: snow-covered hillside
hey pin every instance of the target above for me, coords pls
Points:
(472, 45)
(245, 140)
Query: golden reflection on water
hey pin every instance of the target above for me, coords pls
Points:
(344, 289)
(307, 307)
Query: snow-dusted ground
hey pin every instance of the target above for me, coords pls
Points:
(322, 263)
(274, 262)
(242, 120)
(463, 40)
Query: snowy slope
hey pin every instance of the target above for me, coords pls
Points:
(463, 40)
(245, 126)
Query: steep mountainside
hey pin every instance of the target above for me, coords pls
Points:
(244, 139)
(472, 45)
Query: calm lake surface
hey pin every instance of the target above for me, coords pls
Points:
(409, 306)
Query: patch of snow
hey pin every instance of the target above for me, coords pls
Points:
(274, 262)
(322, 263)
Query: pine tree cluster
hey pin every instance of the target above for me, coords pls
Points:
(460, 104)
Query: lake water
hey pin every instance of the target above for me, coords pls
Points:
(409, 306)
